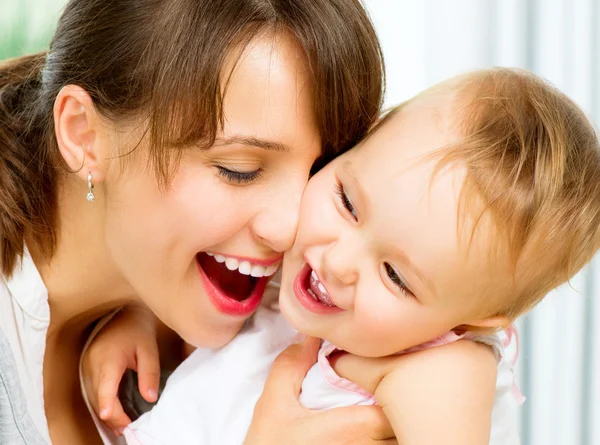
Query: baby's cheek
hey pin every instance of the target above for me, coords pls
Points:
(380, 321)
(389, 328)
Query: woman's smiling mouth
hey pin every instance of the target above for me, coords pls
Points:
(235, 285)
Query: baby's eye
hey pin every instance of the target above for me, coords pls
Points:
(345, 200)
(393, 275)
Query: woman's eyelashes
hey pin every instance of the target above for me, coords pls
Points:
(238, 177)
(345, 200)
(393, 275)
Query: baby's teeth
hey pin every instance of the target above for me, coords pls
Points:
(321, 288)
(210, 254)
(312, 294)
(220, 258)
(232, 263)
(245, 268)
(313, 275)
(258, 271)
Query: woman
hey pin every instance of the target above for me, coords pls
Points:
(152, 135)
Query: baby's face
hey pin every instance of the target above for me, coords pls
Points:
(378, 265)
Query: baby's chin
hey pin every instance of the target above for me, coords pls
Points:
(295, 319)
(290, 313)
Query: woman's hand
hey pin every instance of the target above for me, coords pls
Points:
(280, 418)
(128, 341)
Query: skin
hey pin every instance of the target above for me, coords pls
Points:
(347, 244)
(383, 240)
(137, 243)
(368, 222)
(452, 387)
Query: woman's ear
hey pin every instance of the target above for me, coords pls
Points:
(76, 124)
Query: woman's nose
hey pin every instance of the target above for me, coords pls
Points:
(276, 225)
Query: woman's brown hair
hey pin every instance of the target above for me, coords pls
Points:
(161, 60)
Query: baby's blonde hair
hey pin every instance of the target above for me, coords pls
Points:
(533, 161)
(532, 168)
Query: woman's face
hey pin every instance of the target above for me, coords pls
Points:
(200, 253)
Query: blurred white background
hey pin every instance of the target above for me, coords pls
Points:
(425, 41)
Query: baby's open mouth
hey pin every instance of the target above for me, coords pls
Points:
(312, 293)
(317, 291)
(234, 278)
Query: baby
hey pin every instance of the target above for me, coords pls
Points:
(459, 212)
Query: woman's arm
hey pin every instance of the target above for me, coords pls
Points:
(278, 416)
(439, 395)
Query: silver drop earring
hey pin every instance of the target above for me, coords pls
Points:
(90, 196)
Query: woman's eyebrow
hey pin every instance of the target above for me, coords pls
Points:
(254, 142)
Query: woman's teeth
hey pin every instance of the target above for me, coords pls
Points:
(245, 267)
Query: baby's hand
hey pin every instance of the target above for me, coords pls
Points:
(128, 341)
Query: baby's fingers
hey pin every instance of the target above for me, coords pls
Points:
(109, 408)
(148, 370)
(117, 420)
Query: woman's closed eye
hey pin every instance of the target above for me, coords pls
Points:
(238, 177)
(345, 200)
(395, 277)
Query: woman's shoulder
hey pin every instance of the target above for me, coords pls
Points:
(25, 313)
(27, 290)
(18, 425)
(24, 320)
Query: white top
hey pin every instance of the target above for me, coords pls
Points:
(24, 321)
(210, 397)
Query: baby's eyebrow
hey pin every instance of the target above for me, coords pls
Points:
(253, 142)
(349, 169)
(362, 202)
(420, 275)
